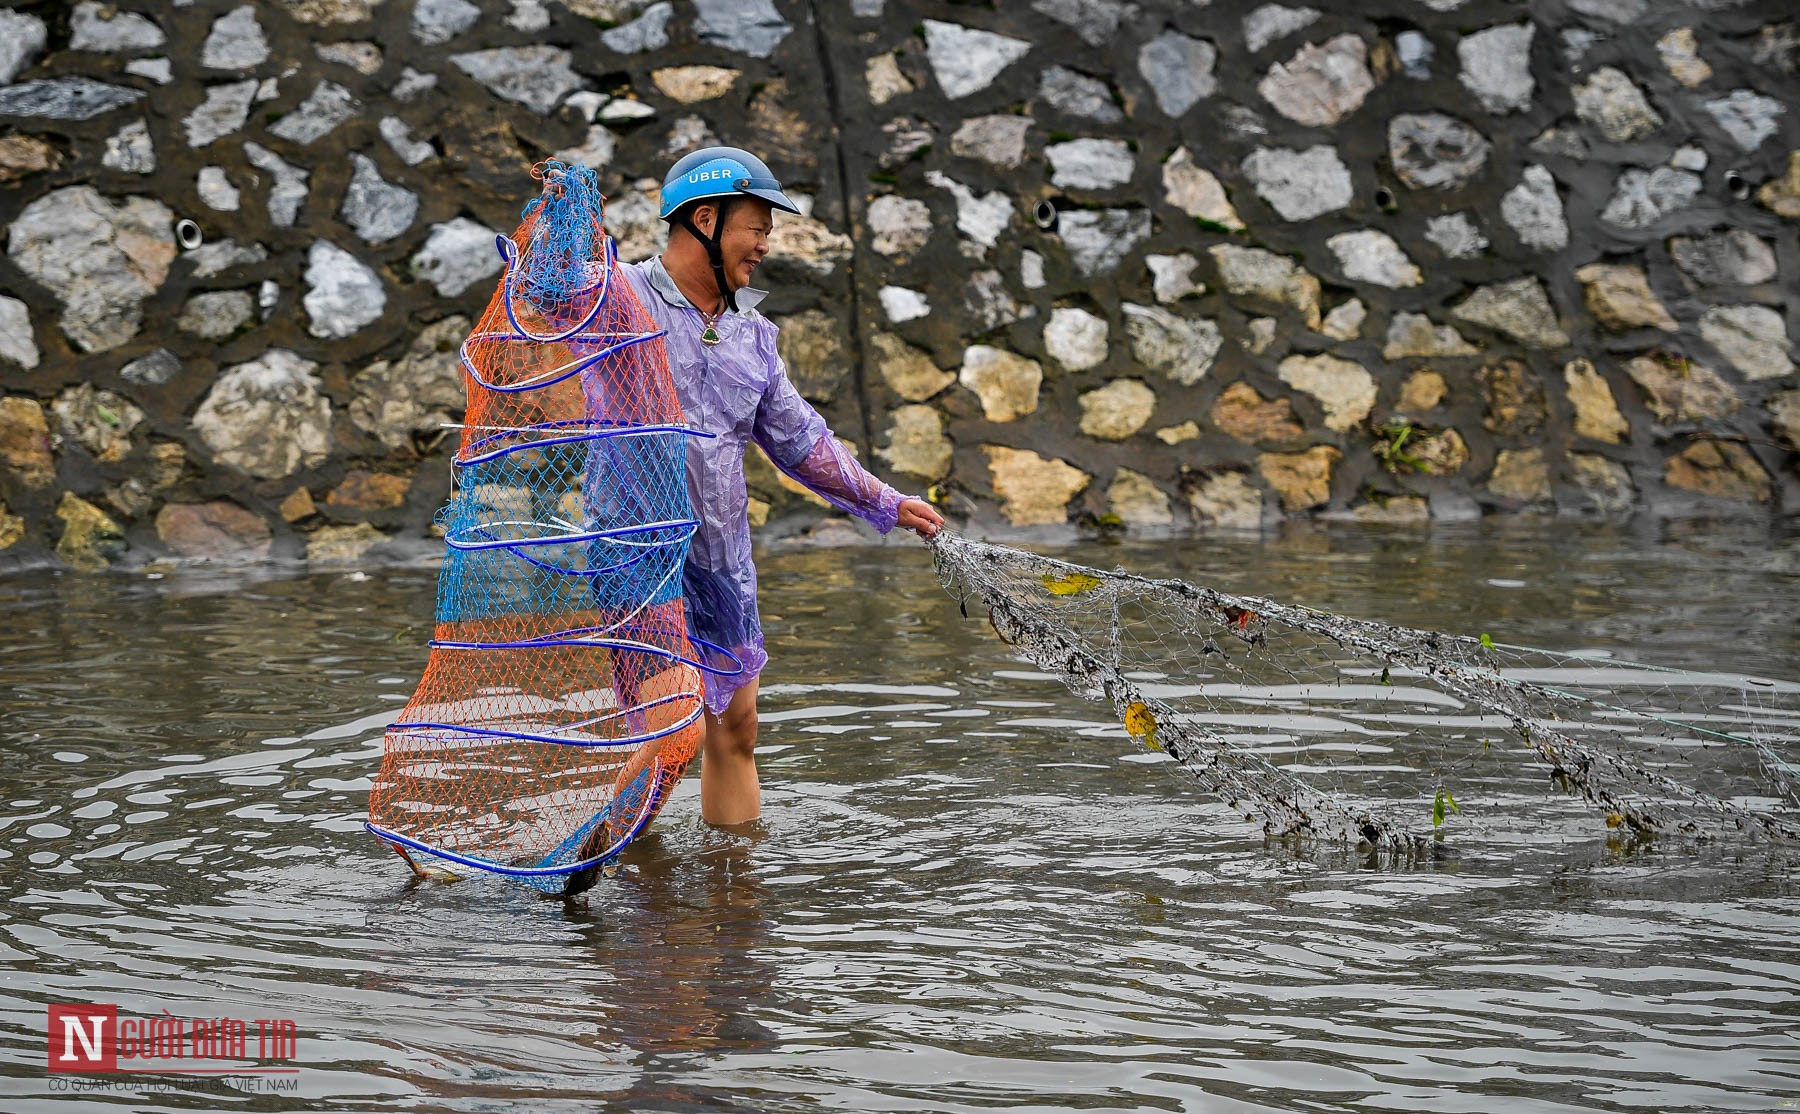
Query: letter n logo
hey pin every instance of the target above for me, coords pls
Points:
(84, 1038)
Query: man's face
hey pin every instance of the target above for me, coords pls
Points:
(748, 223)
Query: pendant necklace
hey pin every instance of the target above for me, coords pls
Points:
(709, 336)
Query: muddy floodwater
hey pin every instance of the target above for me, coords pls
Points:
(971, 892)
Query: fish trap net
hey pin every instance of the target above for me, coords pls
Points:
(1313, 724)
(562, 697)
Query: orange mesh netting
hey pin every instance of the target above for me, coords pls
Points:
(561, 701)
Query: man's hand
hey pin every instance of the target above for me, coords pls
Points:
(920, 517)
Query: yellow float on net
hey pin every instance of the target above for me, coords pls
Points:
(1140, 724)
(1073, 584)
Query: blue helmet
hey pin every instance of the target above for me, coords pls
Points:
(720, 172)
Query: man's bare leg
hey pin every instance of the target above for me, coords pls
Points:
(730, 793)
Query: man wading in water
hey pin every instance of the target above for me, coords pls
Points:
(720, 204)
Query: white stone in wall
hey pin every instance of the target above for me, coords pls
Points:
(1195, 190)
(1430, 150)
(412, 84)
(439, 21)
(1274, 21)
(586, 103)
(1518, 308)
(1747, 117)
(994, 139)
(1117, 410)
(596, 149)
(375, 208)
(649, 31)
(1680, 53)
(1367, 255)
(1006, 382)
(1183, 348)
(990, 303)
(412, 151)
(1344, 388)
(529, 16)
(1031, 270)
(1415, 334)
(216, 191)
(1753, 338)
(1078, 95)
(218, 256)
(22, 39)
(901, 304)
(1172, 277)
(1322, 83)
(1535, 211)
(288, 190)
(1345, 321)
(1098, 240)
(327, 106)
(1257, 273)
(916, 443)
(885, 81)
(224, 111)
(18, 345)
(1614, 11)
(1642, 197)
(267, 417)
(102, 27)
(1300, 185)
(1689, 157)
(1095, 21)
(537, 77)
(1732, 257)
(363, 57)
(693, 84)
(152, 370)
(1075, 338)
(1611, 102)
(343, 295)
(981, 218)
(1456, 235)
(235, 42)
(458, 254)
(1179, 71)
(268, 294)
(752, 27)
(131, 150)
(1496, 66)
(900, 225)
(64, 98)
(215, 314)
(101, 260)
(623, 110)
(967, 60)
(686, 134)
(1138, 502)
(1090, 164)
(159, 70)
(1576, 42)
(1415, 53)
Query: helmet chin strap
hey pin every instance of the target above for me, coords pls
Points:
(714, 252)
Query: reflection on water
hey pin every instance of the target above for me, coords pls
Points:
(970, 891)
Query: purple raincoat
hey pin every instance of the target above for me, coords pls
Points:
(739, 390)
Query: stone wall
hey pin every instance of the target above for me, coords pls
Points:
(1147, 265)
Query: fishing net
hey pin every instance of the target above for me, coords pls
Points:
(561, 701)
(1318, 725)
